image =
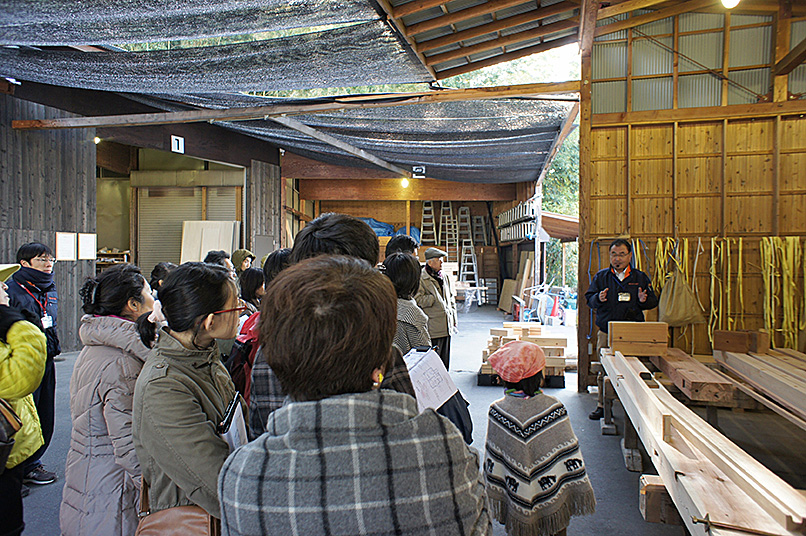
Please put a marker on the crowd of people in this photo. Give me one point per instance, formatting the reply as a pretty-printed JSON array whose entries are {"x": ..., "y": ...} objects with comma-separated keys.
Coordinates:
[{"x": 308, "y": 355}]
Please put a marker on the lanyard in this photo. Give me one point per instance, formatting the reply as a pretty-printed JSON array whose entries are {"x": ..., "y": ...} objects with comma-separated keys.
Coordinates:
[{"x": 44, "y": 307}]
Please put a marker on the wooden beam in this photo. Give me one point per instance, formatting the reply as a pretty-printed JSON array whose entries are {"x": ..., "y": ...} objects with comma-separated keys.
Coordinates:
[
  {"x": 458, "y": 16},
  {"x": 391, "y": 190},
  {"x": 335, "y": 142},
  {"x": 497, "y": 25},
  {"x": 413, "y": 7},
  {"x": 509, "y": 56},
  {"x": 694, "y": 379},
  {"x": 565, "y": 130},
  {"x": 793, "y": 59},
  {"x": 626, "y": 7},
  {"x": 387, "y": 7},
  {"x": 782, "y": 37},
  {"x": 294, "y": 166},
  {"x": 587, "y": 25},
  {"x": 115, "y": 157},
  {"x": 683, "y": 115},
  {"x": 503, "y": 41},
  {"x": 685, "y": 7},
  {"x": 301, "y": 215},
  {"x": 341, "y": 103}
]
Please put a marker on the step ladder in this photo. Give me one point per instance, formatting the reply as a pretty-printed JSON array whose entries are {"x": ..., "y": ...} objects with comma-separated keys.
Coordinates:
[
  {"x": 447, "y": 235},
  {"x": 464, "y": 229},
  {"x": 480, "y": 231},
  {"x": 468, "y": 270},
  {"x": 427, "y": 229}
]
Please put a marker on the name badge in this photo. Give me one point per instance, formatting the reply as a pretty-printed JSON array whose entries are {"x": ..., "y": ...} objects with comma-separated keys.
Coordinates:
[
  {"x": 623, "y": 296},
  {"x": 47, "y": 321}
]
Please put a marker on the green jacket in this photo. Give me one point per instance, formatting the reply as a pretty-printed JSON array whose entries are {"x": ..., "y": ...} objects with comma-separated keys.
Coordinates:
[
  {"x": 179, "y": 399},
  {"x": 22, "y": 363}
]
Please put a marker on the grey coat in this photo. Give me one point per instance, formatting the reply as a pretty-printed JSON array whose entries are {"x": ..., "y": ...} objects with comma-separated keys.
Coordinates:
[
  {"x": 439, "y": 303},
  {"x": 102, "y": 474}
]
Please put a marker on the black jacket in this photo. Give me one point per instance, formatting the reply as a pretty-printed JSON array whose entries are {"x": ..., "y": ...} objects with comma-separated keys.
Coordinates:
[
  {"x": 27, "y": 296},
  {"x": 614, "y": 308}
]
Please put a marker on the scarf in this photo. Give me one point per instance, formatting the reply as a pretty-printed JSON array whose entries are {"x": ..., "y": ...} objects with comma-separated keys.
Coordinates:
[
  {"x": 41, "y": 280},
  {"x": 535, "y": 474},
  {"x": 436, "y": 275}
]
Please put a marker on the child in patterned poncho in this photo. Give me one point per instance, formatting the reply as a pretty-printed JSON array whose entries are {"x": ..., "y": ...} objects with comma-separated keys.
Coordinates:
[{"x": 533, "y": 467}]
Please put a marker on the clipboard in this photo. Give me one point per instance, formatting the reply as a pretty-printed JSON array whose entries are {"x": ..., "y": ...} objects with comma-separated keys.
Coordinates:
[{"x": 232, "y": 427}]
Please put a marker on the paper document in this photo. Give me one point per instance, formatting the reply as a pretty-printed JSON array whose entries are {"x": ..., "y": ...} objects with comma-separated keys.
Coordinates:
[
  {"x": 432, "y": 383},
  {"x": 233, "y": 428}
]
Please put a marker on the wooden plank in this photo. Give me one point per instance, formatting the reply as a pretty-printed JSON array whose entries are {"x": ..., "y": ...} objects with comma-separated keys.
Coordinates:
[
  {"x": 685, "y": 7},
  {"x": 391, "y": 190},
  {"x": 413, "y": 7},
  {"x": 588, "y": 12},
  {"x": 626, "y": 7},
  {"x": 741, "y": 341},
  {"x": 503, "y": 41},
  {"x": 497, "y": 25},
  {"x": 260, "y": 112},
  {"x": 638, "y": 338},
  {"x": 788, "y": 391},
  {"x": 791, "y": 61},
  {"x": 505, "y": 298},
  {"x": 697, "y": 381},
  {"x": 547, "y": 341},
  {"x": 702, "y": 470},
  {"x": 457, "y": 16}
]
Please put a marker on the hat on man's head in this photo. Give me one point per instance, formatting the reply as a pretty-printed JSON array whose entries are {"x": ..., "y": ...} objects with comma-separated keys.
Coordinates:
[
  {"x": 434, "y": 253},
  {"x": 6, "y": 270},
  {"x": 518, "y": 360}
]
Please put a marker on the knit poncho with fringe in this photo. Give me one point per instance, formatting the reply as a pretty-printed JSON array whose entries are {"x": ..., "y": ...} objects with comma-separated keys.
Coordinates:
[{"x": 535, "y": 474}]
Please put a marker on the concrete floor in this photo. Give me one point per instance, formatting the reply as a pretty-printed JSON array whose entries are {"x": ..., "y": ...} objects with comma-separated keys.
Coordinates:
[{"x": 616, "y": 488}]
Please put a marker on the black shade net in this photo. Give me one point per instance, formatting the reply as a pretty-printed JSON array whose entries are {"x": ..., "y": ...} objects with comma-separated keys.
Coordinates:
[
  {"x": 363, "y": 54},
  {"x": 487, "y": 141},
  {"x": 105, "y": 22}
]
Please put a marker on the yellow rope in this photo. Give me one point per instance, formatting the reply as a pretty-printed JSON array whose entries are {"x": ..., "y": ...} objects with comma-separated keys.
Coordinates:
[
  {"x": 740, "y": 283},
  {"x": 767, "y": 269},
  {"x": 789, "y": 257},
  {"x": 728, "y": 278}
]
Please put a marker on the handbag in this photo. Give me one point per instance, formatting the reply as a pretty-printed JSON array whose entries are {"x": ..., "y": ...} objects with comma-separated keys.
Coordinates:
[
  {"x": 10, "y": 424},
  {"x": 177, "y": 521}
]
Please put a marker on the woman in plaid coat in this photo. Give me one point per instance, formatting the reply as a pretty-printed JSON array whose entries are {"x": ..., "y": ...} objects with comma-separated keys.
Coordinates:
[{"x": 344, "y": 457}]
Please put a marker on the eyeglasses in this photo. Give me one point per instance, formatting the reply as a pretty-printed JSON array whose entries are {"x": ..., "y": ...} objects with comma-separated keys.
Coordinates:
[
  {"x": 619, "y": 255},
  {"x": 239, "y": 309},
  {"x": 45, "y": 260}
]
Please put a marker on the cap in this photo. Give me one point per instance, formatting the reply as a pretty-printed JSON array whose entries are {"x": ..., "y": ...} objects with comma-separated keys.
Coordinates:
[
  {"x": 434, "y": 253},
  {"x": 6, "y": 270},
  {"x": 517, "y": 360}
]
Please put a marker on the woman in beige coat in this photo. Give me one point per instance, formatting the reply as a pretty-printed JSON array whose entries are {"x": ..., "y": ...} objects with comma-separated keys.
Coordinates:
[{"x": 102, "y": 474}]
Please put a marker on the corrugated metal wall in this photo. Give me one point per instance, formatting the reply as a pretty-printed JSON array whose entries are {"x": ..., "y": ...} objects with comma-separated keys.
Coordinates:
[
  {"x": 47, "y": 184},
  {"x": 797, "y": 78}
]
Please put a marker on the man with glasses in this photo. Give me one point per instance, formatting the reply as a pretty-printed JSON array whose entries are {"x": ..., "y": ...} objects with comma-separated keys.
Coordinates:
[
  {"x": 32, "y": 288},
  {"x": 618, "y": 293}
]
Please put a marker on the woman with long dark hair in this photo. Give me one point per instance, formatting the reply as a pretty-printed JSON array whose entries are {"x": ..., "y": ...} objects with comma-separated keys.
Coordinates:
[
  {"x": 102, "y": 474},
  {"x": 183, "y": 393}
]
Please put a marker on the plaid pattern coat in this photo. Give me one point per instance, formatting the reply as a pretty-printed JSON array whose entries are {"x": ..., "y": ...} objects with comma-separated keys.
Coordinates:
[{"x": 363, "y": 463}]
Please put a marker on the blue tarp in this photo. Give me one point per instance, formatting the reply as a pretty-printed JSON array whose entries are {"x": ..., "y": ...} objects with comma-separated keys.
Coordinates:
[
  {"x": 380, "y": 228},
  {"x": 415, "y": 233}
]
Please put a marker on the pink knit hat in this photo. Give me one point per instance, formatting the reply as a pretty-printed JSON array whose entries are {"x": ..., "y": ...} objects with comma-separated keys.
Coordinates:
[{"x": 517, "y": 360}]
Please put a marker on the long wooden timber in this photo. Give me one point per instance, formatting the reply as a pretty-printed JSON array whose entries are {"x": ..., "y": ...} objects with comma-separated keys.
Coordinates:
[
  {"x": 695, "y": 380},
  {"x": 778, "y": 381},
  {"x": 706, "y": 474}
]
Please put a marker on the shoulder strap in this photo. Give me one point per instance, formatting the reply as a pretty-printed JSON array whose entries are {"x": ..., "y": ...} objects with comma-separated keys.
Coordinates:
[{"x": 144, "y": 508}]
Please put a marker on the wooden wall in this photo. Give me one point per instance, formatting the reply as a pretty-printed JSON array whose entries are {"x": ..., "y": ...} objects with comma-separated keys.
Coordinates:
[
  {"x": 47, "y": 184},
  {"x": 263, "y": 202},
  {"x": 715, "y": 175}
]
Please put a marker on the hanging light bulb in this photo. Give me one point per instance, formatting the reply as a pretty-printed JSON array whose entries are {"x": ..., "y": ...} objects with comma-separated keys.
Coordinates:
[
  {"x": 404, "y": 183},
  {"x": 730, "y": 4},
  {"x": 97, "y": 140}
]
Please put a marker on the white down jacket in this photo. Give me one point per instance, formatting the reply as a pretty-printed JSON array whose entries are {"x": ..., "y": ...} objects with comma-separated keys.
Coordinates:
[{"x": 102, "y": 475}]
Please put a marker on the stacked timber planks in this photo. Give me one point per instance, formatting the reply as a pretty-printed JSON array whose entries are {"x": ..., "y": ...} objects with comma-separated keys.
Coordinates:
[
  {"x": 638, "y": 338},
  {"x": 553, "y": 347}
]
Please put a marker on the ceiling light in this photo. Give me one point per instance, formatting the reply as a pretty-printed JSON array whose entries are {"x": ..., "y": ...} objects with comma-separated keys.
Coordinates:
[
  {"x": 97, "y": 140},
  {"x": 404, "y": 183},
  {"x": 730, "y": 4}
]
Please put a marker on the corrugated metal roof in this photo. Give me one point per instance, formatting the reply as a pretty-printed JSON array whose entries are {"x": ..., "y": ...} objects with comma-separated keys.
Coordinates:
[
  {"x": 698, "y": 90},
  {"x": 609, "y": 97},
  {"x": 652, "y": 94},
  {"x": 692, "y": 22},
  {"x": 704, "y": 48},
  {"x": 650, "y": 58},
  {"x": 750, "y": 46},
  {"x": 757, "y": 80},
  {"x": 741, "y": 20},
  {"x": 614, "y": 35},
  {"x": 609, "y": 60}
]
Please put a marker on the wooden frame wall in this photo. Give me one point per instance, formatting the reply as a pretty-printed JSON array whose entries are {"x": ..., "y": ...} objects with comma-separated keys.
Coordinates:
[{"x": 720, "y": 173}]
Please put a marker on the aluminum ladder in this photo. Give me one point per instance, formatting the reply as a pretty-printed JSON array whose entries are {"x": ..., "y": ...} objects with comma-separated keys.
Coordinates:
[{"x": 427, "y": 230}]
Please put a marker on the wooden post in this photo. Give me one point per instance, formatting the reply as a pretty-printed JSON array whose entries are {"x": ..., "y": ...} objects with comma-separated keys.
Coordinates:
[
  {"x": 408, "y": 218},
  {"x": 776, "y": 176},
  {"x": 585, "y": 180},
  {"x": 723, "y": 187},
  {"x": 675, "y": 225},
  {"x": 725, "y": 59},
  {"x": 204, "y": 203},
  {"x": 783, "y": 26},
  {"x": 562, "y": 245}
]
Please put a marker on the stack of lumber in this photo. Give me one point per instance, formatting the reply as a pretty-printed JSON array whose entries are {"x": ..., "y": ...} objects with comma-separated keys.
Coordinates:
[
  {"x": 553, "y": 347},
  {"x": 706, "y": 475},
  {"x": 517, "y": 287},
  {"x": 778, "y": 375},
  {"x": 638, "y": 338}
]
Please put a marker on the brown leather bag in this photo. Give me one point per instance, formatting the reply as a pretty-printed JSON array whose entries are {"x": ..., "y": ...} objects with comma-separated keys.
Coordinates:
[{"x": 176, "y": 521}]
